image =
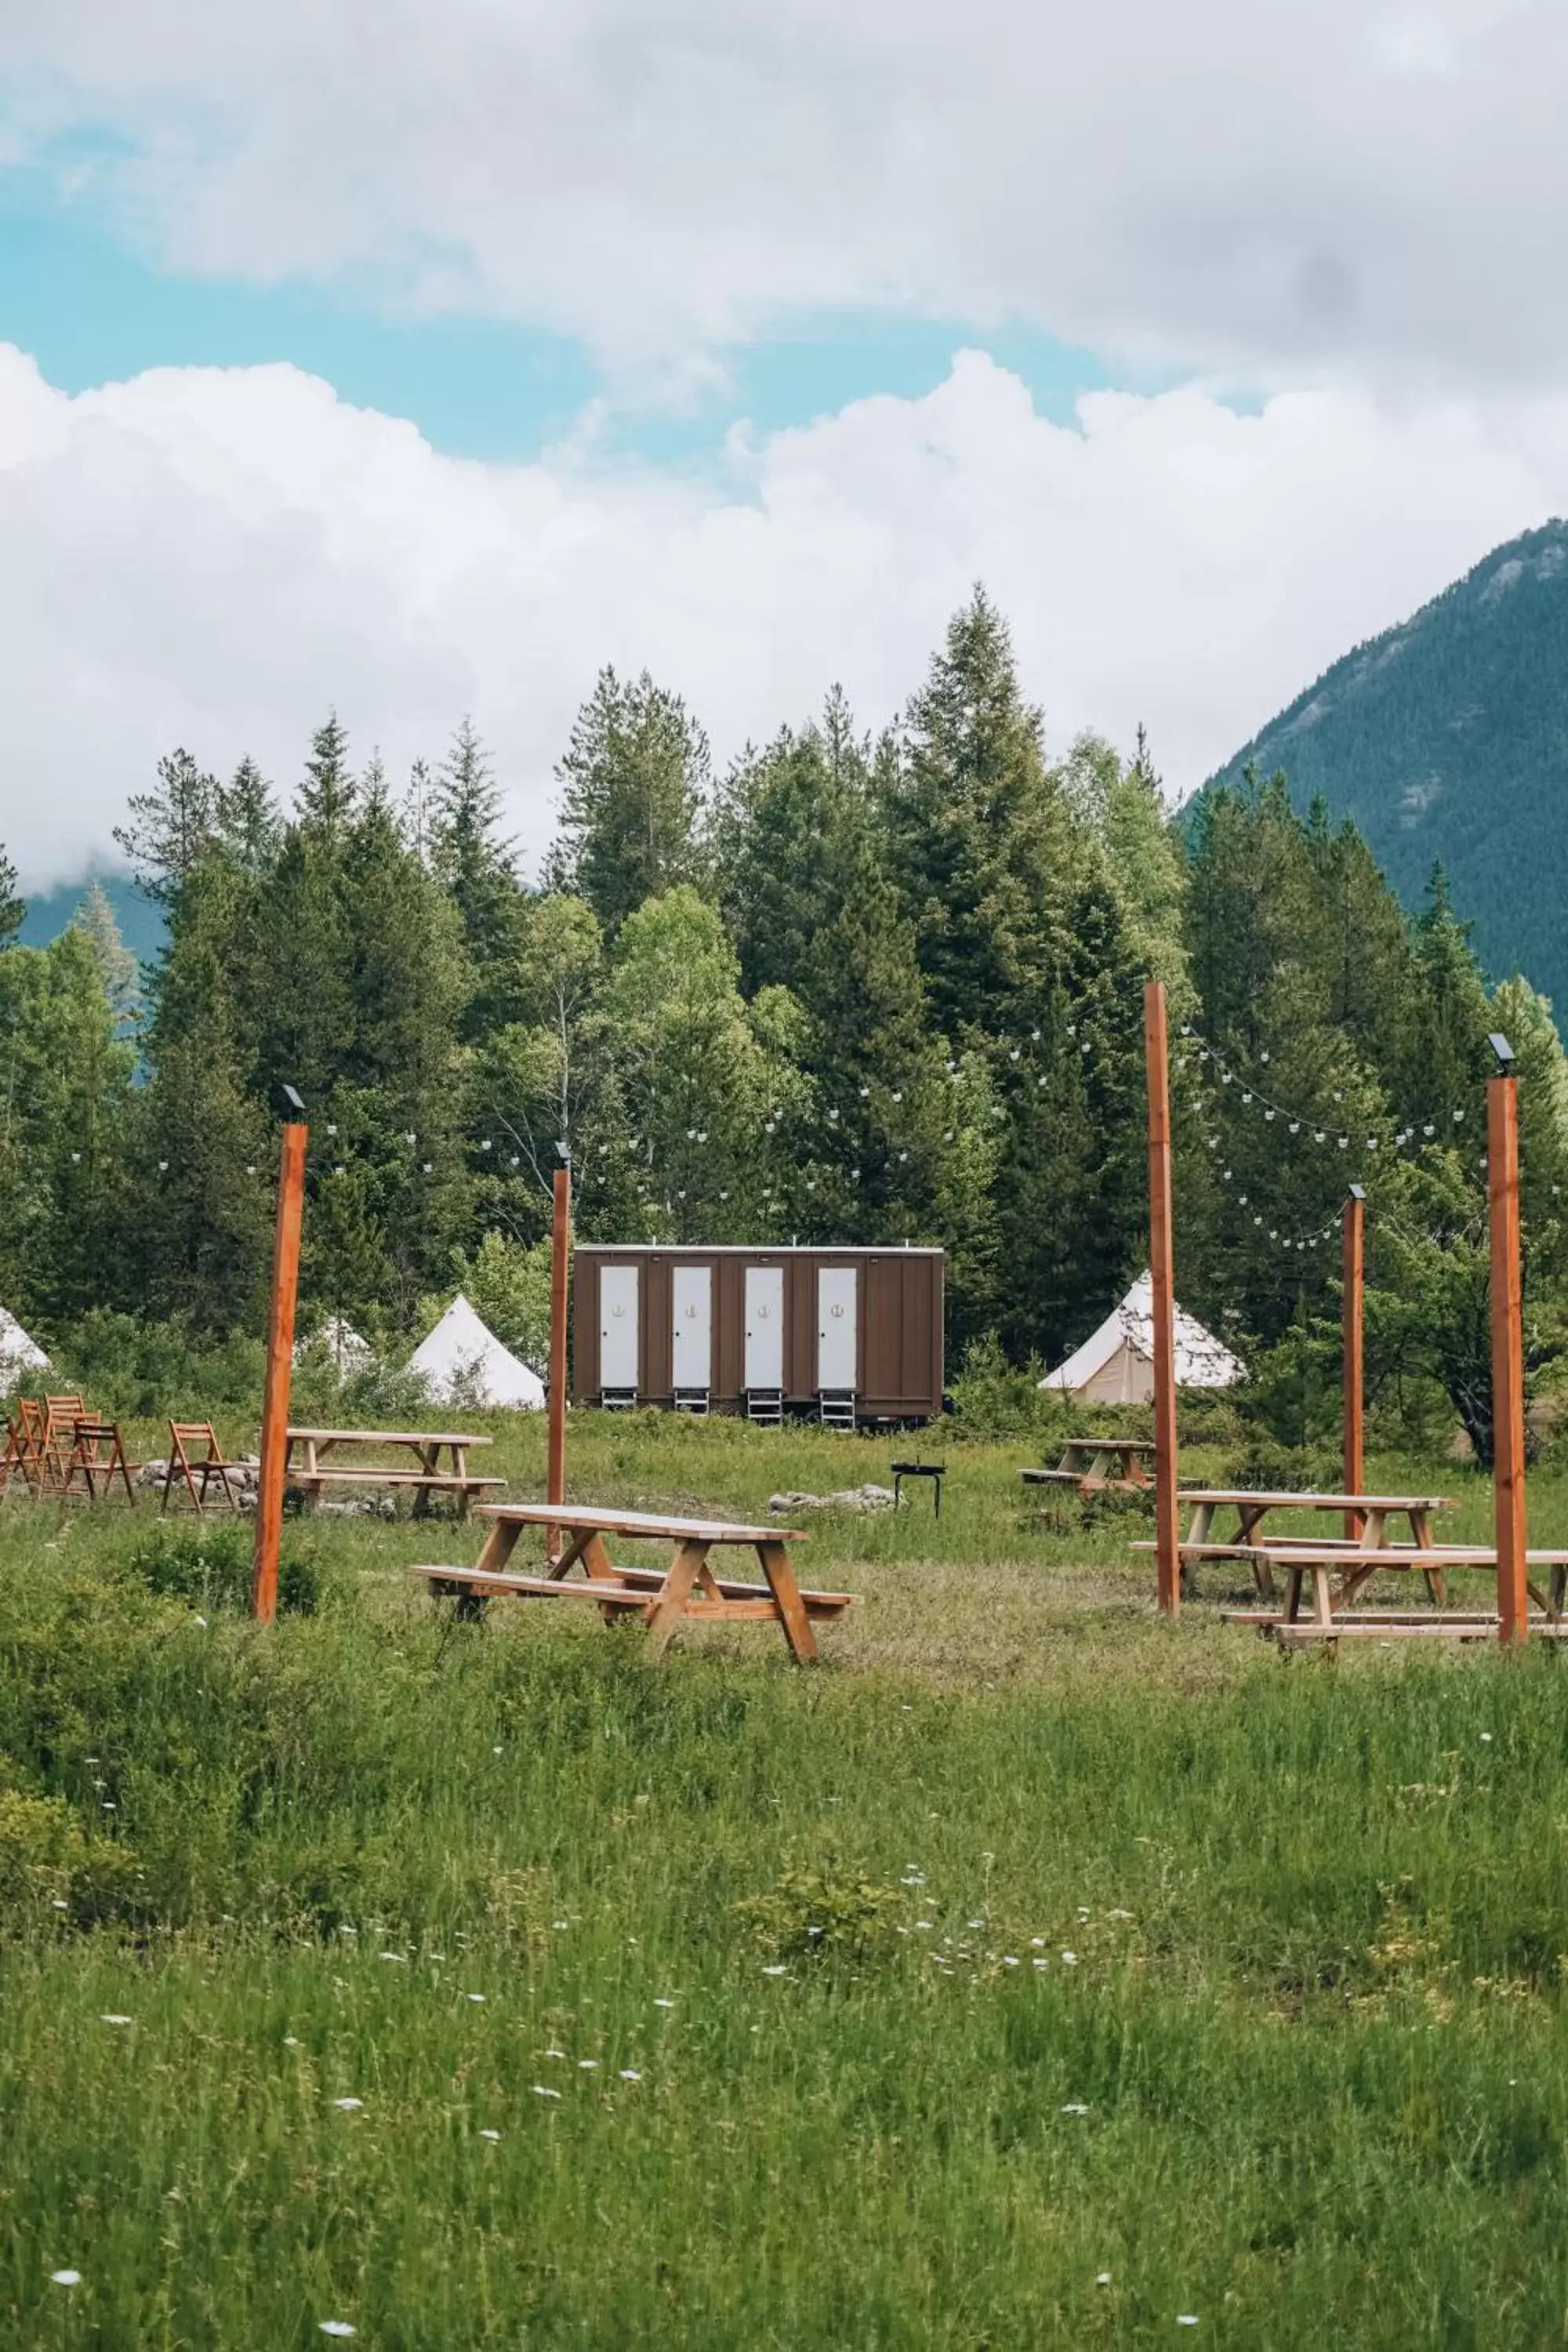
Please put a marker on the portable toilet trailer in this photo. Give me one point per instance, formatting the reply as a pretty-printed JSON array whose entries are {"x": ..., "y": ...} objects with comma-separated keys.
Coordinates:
[{"x": 849, "y": 1336}]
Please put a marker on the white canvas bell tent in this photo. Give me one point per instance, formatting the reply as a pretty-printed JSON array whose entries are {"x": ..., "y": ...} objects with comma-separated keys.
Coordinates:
[
  {"x": 18, "y": 1353},
  {"x": 1115, "y": 1364},
  {"x": 463, "y": 1362},
  {"x": 338, "y": 1340}
]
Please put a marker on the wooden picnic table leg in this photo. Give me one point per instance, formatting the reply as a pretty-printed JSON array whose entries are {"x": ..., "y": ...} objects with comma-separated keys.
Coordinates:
[
  {"x": 780, "y": 1572},
  {"x": 1559, "y": 1587},
  {"x": 1322, "y": 1605},
  {"x": 1197, "y": 1533},
  {"x": 429, "y": 1460},
  {"x": 499, "y": 1546},
  {"x": 1262, "y": 1574},
  {"x": 1293, "y": 1596},
  {"x": 460, "y": 1470},
  {"x": 666, "y": 1606},
  {"x": 1374, "y": 1534}
]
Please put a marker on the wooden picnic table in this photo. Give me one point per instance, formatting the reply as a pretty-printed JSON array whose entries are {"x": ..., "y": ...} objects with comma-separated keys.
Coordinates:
[
  {"x": 425, "y": 1478},
  {"x": 1097, "y": 1466},
  {"x": 688, "y": 1589},
  {"x": 1356, "y": 1565},
  {"x": 1253, "y": 1504}
]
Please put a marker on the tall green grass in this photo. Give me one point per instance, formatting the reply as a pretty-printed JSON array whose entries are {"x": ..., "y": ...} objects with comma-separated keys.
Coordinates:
[{"x": 1028, "y": 1944}]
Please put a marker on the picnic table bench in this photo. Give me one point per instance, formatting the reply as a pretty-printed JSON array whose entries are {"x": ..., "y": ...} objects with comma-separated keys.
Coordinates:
[
  {"x": 1253, "y": 1504},
  {"x": 426, "y": 1477},
  {"x": 1097, "y": 1466},
  {"x": 686, "y": 1591},
  {"x": 1356, "y": 1565}
]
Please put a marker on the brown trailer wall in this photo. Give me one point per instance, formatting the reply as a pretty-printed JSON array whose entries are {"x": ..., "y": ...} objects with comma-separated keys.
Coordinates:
[{"x": 899, "y": 1325}]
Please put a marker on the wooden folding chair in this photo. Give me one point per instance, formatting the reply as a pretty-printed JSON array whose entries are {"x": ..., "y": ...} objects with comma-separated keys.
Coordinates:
[
  {"x": 22, "y": 1440},
  {"x": 89, "y": 1462},
  {"x": 60, "y": 1415},
  {"x": 198, "y": 1474}
]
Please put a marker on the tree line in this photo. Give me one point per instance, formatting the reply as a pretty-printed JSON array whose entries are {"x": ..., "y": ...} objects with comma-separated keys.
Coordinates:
[{"x": 855, "y": 989}]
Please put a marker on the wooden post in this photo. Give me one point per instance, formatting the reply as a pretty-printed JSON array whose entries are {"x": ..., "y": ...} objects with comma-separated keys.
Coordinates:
[
  {"x": 1508, "y": 1357},
  {"x": 560, "y": 1268},
  {"x": 280, "y": 1367},
  {"x": 1167, "y": 1555},
  {"x": 1355, "y": 1222}
]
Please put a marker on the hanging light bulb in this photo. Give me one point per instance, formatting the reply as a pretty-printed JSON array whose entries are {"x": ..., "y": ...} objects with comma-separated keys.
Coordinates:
[{"x": 1295, "y": 1126}]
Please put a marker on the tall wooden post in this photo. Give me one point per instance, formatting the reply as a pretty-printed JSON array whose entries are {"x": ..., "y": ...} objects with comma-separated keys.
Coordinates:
[
  {"x": 560, "y": 1268},
  {"x": 1353, "y": 1361},
  {"x": 280, "y": 1367},
  {"x": 1156, "y": 1053},
  {"x": 1507, "y": 1357}
]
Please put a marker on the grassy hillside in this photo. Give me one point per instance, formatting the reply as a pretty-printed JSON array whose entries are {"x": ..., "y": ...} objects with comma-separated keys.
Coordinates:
[
  {"x": 1448, "y": 738},
  {"x": 1030, "y": 1974}
]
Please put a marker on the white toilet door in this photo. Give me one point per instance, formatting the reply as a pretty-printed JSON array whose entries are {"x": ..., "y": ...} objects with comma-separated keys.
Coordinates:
[
  {"x": 837, "y": 1320},
  {"x": 691, "y": 1299},
  {"x": 764, "y": 1327},
  {"x": 619, "y": 1292}
]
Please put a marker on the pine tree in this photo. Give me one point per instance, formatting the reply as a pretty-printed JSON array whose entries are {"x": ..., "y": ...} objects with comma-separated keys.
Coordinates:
[
  {"x": 249, "y": 825},
  {"x": 116, "y": 965},
  {"x": 204, "y": 1136},
  {"x": 635, "y": 776},
  {"x": 330, "y": 793},
  {"x": 13, "y": 907},
  {"x": 170, "y": 828},
  {"x": 475, "y": 863}
]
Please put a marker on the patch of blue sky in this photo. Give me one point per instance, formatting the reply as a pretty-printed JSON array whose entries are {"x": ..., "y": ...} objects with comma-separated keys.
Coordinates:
[{"x": 91, "y": 310}]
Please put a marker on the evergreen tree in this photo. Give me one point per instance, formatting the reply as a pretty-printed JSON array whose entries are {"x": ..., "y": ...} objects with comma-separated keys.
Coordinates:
[
  {"x": 65, "y": 1105},
  {"x": 172, "y": 827},
  {"x": 635, "y": 775},
  {"x": 475, "y": 863},
  {"x": 204, "y": 1138},
  {"x": 248, "y": 822},
  {"x": 116, "y": 965},
  {"x": 13, "y": 907},
  {"x": 330, "y": 793}
]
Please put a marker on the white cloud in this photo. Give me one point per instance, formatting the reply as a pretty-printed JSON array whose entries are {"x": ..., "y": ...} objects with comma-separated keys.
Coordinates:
[
  {"x": 213, "y": 558},
  {"x": 1218, "y": 184}
]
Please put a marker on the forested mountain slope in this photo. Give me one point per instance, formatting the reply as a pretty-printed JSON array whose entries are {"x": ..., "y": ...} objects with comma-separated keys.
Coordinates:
[{"x": 1447, "y": 739}]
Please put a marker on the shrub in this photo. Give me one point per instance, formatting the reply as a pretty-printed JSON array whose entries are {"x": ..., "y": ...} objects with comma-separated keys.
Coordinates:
[
  {"x": 211, "y": 1567},
  {"x": 817, "y": 1912}
]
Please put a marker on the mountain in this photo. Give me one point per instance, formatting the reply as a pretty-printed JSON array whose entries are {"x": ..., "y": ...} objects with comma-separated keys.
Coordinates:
[
  {"x": 141, "y": 922},
  {"x": 1447, "y": 739}
]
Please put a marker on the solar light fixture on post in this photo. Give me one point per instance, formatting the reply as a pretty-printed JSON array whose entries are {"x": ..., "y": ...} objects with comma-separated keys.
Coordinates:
[
  {"x": 1508, "y": 1347},
  {"x": 560, "y": 1270},
  {"x": 1163, "y": 1278},
  {"x": 1353, "y": 1368},
  {"x": 280, "y": 1359}
]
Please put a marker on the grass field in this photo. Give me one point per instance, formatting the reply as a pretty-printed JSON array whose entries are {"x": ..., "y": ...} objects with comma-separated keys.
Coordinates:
[{"x": 1030, "y": 1973}]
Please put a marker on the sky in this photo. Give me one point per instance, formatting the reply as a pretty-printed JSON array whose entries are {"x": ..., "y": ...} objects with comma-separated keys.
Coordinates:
[{"x": 417, "y": 361}]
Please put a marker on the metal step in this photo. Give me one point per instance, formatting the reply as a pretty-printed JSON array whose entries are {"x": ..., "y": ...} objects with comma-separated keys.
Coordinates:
[
  {"x": 694, "y": 1401},
  {"x": 836, "y": 1407},
  {"x": 766, "y": 1407},
  {"x": 618, "y": 1400}
]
